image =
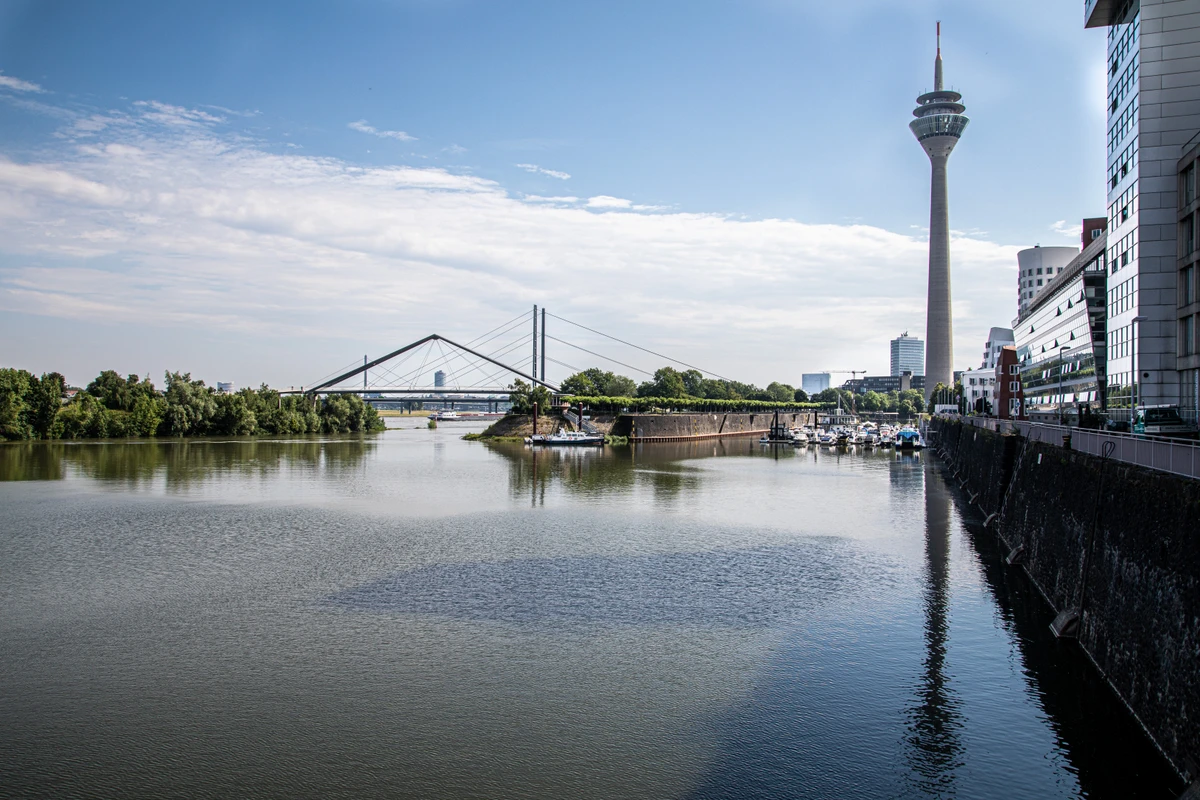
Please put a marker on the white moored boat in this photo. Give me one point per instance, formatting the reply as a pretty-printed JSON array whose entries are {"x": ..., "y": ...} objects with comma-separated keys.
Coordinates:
[{"x": 564, "y": 438}]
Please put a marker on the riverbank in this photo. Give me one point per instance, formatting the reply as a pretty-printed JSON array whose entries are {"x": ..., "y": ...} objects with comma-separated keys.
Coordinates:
[{"x": 1113, "y": 549}]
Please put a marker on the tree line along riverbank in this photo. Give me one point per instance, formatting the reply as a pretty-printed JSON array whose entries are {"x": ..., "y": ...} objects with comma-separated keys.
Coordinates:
[{"x": 112, "y": 406}]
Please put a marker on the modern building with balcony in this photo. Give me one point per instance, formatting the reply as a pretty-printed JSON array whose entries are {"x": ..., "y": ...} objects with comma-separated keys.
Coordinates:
[
  {"x": 1061, "y": 342},
  {"x": 1153, "y": 112}
]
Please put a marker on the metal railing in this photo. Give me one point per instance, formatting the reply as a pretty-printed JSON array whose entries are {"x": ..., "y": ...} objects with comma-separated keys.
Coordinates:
[
  {"x": 581, "y": 424},
  {"x": 1152, "y": 452}
]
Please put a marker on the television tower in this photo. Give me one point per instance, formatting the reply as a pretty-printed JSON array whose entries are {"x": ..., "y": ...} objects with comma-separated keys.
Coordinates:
[{"x": 938, "y": 126}]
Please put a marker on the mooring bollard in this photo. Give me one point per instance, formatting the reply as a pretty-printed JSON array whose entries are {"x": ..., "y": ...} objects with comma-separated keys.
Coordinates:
[{"x": 1066, "y": 441}]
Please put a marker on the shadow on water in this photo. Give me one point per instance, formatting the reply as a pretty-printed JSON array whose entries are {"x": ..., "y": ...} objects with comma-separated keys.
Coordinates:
[
  {"x": 179, "y": 462},
  {"x": 1111, "y": 754},
  {"x": 745, "y": 588}
]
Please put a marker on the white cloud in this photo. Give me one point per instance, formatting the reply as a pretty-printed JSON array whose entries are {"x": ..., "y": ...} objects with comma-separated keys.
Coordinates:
[
  {"x": 186, "y": 227},
  {"x": 1074, "y": 231},
  {"x": 535, "y": 198},
  {"x": 362, "y": 127},
  {"x": 18, "y": 85},
  {"x": 553, "y": 173},
  {"x": 604, "y": 201}
]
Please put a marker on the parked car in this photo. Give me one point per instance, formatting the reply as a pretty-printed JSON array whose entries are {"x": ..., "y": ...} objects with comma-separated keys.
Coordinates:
[{"x": 1162, "y": 421}]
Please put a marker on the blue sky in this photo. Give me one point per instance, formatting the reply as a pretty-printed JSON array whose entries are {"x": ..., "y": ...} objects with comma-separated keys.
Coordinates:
[{"x": 249, "y": 192}]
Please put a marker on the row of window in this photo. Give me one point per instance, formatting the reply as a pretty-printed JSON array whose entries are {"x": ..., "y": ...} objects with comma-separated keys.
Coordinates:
[
  {"x": 1123, "y": 125},
  {"x": 1123, "y": 164},
  {"x": 1122, "y": 297},
  {"x": 1187, "y": 236},
  {"x": 1123, "y": 252},
  {"x": 1187, "y": 186},
  {"x": 1121, "y": 88},
  {"x": 1123, "y": 207},
  {"x": 1187, "y": 286},
  {"x": 1128, "y": 39},
  {"x": 1120, "y": 342},
  {"x": 1187, "y": 335}
]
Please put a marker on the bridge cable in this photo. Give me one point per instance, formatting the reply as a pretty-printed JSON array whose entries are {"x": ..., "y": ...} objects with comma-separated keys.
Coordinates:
[
  {"x": 598, "y": 355},
  {"x": 631, "y": 344}
]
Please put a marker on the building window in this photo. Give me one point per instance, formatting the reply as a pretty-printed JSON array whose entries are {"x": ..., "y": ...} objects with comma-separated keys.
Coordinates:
[
  {"x": 1187, "y": 230},
  {"x": 1187, "y": 286},
  {"x": 1187, "y": 336},
  {"x": 1189, "y": 185}
]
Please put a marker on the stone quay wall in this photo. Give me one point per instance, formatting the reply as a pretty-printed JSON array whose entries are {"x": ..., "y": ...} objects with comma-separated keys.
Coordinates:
[
  {"x": 1119, "y": 543},
  {"x": 675, "y": 427}
]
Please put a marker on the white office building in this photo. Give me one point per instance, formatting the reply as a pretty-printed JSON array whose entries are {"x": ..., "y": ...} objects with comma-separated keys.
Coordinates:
[
  {"x": 908, "y": 355},
  {"x": 1153, "y": 113},
  {"x": 1036, "y": 267}
]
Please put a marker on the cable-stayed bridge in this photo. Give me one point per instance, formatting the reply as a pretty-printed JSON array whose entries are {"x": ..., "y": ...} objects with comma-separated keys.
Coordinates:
[{"x": 479, "y": 372}]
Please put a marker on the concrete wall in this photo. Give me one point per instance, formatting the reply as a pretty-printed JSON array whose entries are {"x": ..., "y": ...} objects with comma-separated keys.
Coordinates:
[
  {"x": 693, "y": 426},
  {"x": 1140, "y": 594}
]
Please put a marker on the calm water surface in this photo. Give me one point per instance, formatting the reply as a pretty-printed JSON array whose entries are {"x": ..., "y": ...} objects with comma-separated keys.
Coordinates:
[{"x": 417, "y": 616}]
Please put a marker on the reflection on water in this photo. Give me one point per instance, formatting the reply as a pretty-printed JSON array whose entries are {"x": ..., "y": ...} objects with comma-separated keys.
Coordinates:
[
  {"x": 411, "y": 615},
  {"x": 935, "y": 750},
  {"x": 180, "y": 462}
]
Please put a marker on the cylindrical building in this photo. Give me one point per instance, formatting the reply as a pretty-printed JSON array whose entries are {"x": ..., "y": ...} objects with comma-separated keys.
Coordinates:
[
  {"x": 938, "y": 126},
  {"x": 1037, "y": 266}
]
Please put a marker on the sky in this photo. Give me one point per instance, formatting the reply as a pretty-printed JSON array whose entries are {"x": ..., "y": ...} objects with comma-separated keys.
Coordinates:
[{"x": 266, "y": 192}]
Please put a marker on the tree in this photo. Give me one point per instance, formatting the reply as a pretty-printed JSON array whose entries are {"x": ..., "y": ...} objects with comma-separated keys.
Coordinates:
[
  {"x": 14, "y": 398},
  {"x": 190, "y": 405},
  {"x": 523, "y": 396},
  {"x": 781, "y": 392},
  {"x": 800, "y": 396},
  {"x": 45, "y": 400},
  {"x": 872, "y": 401},
  {"x": 693, "y": 382},
  {"x": 915, "y": 397},
  {"x": 668, "y": 382},
  {"x": 618, "y": 386},
  {"x": 232, "y": 416},
  {"x": 829, "y": 396}
]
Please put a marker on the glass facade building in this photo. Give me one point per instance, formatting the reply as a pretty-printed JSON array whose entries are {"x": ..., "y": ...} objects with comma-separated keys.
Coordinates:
[
  {"x": 1061, "y": 342},
  {"x": 1153, "y": 72},
  {"x": 908, "y": 355}
]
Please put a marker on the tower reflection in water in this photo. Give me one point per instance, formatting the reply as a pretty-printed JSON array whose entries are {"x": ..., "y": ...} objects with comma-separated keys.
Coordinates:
[{"x": 933, "y": 745}]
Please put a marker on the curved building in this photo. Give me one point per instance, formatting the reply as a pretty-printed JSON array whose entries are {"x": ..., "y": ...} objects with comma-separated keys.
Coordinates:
[
  {"x": 1037, "y": 266},
  {"x": 938, "y": 126}
]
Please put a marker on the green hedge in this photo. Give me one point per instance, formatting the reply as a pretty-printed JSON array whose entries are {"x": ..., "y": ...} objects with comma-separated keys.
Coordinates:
[{"x": 643, "y": 404}]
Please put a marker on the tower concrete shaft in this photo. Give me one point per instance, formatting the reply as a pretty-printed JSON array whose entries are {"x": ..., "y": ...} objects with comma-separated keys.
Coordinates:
[
  {"x": 938, "y": 126},
  {"x": 939, "y": 329}
]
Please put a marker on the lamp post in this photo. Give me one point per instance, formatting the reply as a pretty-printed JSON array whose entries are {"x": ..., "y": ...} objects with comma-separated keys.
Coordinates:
[
  {"x": 1136, "y": 386},
  {"x": 1061, "y": 367}
]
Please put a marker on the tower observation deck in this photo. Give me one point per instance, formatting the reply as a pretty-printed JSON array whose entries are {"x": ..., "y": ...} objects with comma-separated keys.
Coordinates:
[{"x": 938, "y": 126}]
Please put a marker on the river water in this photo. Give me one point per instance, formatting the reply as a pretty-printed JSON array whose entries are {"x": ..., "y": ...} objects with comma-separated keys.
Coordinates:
[{"x": 413, "y": 615}]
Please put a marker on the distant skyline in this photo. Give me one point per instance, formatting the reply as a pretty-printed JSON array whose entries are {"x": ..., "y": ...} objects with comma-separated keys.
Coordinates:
[{"x": 266, "y": 193}]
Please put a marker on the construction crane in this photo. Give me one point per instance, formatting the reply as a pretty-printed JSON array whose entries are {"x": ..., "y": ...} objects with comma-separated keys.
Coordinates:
[{"x": 854, "y": 373}]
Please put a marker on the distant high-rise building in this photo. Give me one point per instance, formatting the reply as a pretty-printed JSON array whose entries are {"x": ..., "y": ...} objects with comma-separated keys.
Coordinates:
[
  {"x": 439, "y": 378},
  {"x": 814, "y": 382},
  {"x": 938, "y": 126},
  {"x": 908, "y": 355}
]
